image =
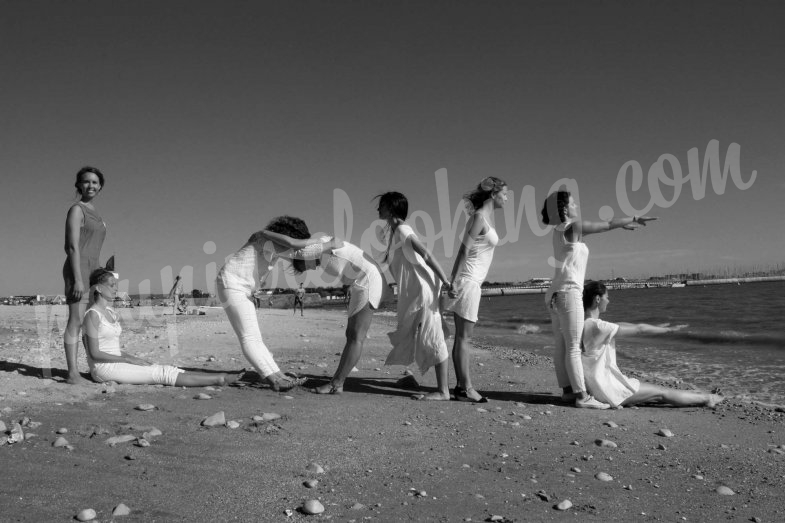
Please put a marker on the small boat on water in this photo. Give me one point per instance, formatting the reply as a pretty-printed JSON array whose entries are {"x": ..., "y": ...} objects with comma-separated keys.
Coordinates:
[{"x": 678, "y": 284}]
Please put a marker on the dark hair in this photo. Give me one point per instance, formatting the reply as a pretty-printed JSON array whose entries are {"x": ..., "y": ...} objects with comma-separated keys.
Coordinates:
[
  {"x": 396, "y": 203},
  {"x": 484, "y": 190},
  {"x": 555, "y": 204},
  {"x": 294, "y": 228},
  {"x": 87, "y": 169},
  {"x": 592, "y": 289},
  {"x": 98, "y": 276}
]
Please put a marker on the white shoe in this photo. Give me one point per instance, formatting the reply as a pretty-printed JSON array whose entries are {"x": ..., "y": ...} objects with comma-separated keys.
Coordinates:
[{"x": 591, "y": 403}]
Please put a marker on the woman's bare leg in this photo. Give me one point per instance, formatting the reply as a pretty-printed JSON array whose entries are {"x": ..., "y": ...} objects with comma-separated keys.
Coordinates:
[
  {"x": 650, "y": 393},
  {"x": 356, "y": 331},
  {"x": 71, "y": 342},
  {"x": 206, "y": 379}
]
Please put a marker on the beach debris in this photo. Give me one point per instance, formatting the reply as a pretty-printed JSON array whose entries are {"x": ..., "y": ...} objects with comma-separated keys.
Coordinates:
[
  {"x": 603, "y": 476},
  {"x": 497, "y": 518},
  {"x": 232, "y": 424},
  {"x": 114, "y": 440},
  {"x": 268, "y": 416},
  {"x": 141, "y": 442},
  {"x": 481, "y": 410},
  {"x": 219, "y": 418},
  {"x": 358, "y": 506},
  {"x": 724, "y": 491},
  {"x": 661, "y": 447},
  {"x": 288, "y": 513},
  {"x": 60, "y": 442},
  {"x": 665, "y": 433},
  {"x": 121, "y": 510},
  {"x": 576, "y": 470},
  {"x": 542, "y": 495},
  {"x": 3, "y": 427},
  {"x": 311, "y": 483},
  {"x": 145, "y": 407},
  {"x": 605, "y": 443},
  {"x": 62, "y": 430},
  {"x": 16, "y": 435},
  {"x": 314, "y": 468},
  {"x": 87, "y": 514},
  {"x": 563, "y": 505},
  {"x": 611, "y": 424},
  {"x": 153, "y": 432},
  {"x": 28, "y": 423},
  {"x": 203, "y": 396},
  {"x": 313, "y": 506}
]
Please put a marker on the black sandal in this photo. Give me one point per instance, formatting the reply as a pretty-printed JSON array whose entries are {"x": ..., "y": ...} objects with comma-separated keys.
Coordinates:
[{"x": 461, "y": 394}]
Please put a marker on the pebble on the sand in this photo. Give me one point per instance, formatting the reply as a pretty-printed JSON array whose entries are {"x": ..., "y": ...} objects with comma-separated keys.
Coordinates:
[
  {"x": 605, "y": 443},
  {"x": 564, "y": 505},
  {"x": 141, "y": 442},
  {"x": 314, "y": 468},
  {"x": 87, "y": 514},
  {"x": 611, "y": 424},
  {"x": 313, "y": 506},
  {"x": 114, "y": 440},
  {"x": 203, "y": 396},
  {"x": 665, "y": 433},
  {"x": 219, "y": 418},
  {"x": 145, "y": 407},
  {"x": 153, "y": 432},
  {"x": 311, "y": 483},
  {"x": 358, "y": 506},
  {"x": 724, "y": 491},
  {"x": 60, "y": 442},
  {"x": 603, "y": 476},
  {"x": 62, "y": 431},
  {"x": 269, "y": 416},
  {"x": 232, "y": 424},
  {"x": 121, "y": 510}
]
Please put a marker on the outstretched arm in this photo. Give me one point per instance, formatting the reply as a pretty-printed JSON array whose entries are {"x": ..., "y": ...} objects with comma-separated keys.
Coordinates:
[
  {"x": 296, "y": 246},
  {"x": 631, "y": 329},
  {"x": 628, "y": 222}
]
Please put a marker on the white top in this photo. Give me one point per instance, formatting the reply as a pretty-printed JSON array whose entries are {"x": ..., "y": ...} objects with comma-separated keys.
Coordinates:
[
  {"x": 603, "y": 378},
  {"x": 243, "y": 270},
  {"x": 348, "y": 263},
  {"x": 109, "y": 331},
  {"x": 571, "y": 259},
  {"x": 480, "y": 255}
]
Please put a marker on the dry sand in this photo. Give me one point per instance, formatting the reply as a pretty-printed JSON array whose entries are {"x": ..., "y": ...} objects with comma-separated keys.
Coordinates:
[{"x": 385, "y": 457}]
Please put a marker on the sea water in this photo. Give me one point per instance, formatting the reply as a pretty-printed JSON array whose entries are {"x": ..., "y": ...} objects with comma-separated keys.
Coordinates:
[{"x": 734, "y": 337}]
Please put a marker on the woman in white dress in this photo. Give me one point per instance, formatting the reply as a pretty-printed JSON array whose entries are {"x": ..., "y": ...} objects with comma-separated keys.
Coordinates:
[
  {"x": 564, "y": 296},
  {"x": 354, "y": 268},
  {"x": 468, "y": 273},
  {"x": 604, "y": 379},
  {"x": 419, "y": 336}
]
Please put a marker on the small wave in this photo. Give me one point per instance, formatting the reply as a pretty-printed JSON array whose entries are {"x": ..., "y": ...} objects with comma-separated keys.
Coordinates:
[
  {"x": 528, "y": 328},
  {"x": 730, "y": 337}
]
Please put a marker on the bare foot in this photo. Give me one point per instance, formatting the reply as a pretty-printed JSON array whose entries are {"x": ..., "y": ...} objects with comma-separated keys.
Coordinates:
[
  {"x": 432, "y": 396},
  {"x": 328, "y": 388},
  {"x": 231, "y": 377},
  {"x": 77, "y": 380},
  {"x": 714, "y": 400}
]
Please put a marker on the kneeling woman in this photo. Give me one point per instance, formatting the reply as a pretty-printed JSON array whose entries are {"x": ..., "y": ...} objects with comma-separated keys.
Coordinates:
[
  {"x": 107, "y": 362},
  {"x": 349, "y": 263},
  {"x": 604, "y": 379}
]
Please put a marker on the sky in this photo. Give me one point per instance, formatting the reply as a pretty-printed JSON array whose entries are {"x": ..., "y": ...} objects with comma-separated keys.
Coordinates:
[{"x": 209, "y": 119}]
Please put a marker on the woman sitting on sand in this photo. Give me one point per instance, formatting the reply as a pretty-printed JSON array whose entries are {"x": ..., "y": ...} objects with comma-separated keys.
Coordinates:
[
  {"x": 349, "y": 263},
  {"x": 242, "y": 274},
  {"x": 419, "y": 336},
  {"x": 108, "y": 363},
  {"x": 604, "y": 379}
]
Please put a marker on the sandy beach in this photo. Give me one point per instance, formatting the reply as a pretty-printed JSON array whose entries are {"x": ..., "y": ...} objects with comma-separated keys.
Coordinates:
[{"x": 381, "y": 456}]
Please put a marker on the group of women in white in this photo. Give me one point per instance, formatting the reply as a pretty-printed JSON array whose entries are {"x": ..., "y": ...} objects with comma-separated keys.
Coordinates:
[{"x": 586, "y": 371}]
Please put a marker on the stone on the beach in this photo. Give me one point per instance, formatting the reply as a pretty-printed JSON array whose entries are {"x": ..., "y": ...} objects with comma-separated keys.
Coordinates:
[
  {"x": 564, "y": 505},
  {"x": 661, "y": 447},
  {"x": 141, "y": 442},
  {"x": 665, "y": 433},
  {"x": 496, "y": 517},
  {"x": 203, "y": 396},
  {"x": 17, "y": 434},
  {"x": 87, "y": 514},
  {"x": 605, "y": 443},
  {"x": 219, "y": 418},
  {"x": 480, "y": 409},
  {"x": 60, "y": 442},
  {"x": 121, "y": 510},
  {"x": 358, "y": 506},
  {"x": 232, "y": 424},
  {"x": 311, "y": 483},
  {"x": 313, "y": 506},
  {"x": 114, "y": 440},
  {"x": 62, "y": 431},
  {"x": 603, "y": 476},
  {"x": 611, "y": 424},
  {"x": 724, "y": 491},
  {"x": 3, "y": 427},
  {"x": 422, "y": 493},
  {"x": 153, "y": 432},
  {"x": 145, "y": 407},
  {"x": 270, "y": 416},
  {"x": 314, "y": 468},
  {"x": 576, "y": 470}
]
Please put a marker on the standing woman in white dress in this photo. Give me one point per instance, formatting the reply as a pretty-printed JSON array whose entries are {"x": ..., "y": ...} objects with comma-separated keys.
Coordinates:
[
  {"x": 354, "y": 268},
  {"x": 468, "y": 273},
  {"x": 419, "y": 336},
  {"x": 564, "y": 298}
]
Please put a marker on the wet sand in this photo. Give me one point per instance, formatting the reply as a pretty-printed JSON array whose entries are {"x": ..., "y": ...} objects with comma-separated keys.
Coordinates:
[{"x": 385, "y": 457}]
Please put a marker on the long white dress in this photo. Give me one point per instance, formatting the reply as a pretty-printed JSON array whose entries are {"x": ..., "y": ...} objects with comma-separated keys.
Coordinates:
[
  {"x": 419, "y": 337},
  {"x": 604, "y": 379}
]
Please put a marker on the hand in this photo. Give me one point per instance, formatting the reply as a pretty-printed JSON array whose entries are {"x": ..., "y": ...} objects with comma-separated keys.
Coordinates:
[
  {"x": 78, "y": 291},
  {"x": 451, "y": 292},
  {"x": 643, "y": 219}
]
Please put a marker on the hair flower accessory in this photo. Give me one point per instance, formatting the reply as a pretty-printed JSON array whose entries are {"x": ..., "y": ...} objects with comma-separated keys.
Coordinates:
[{"x": 487, "y": 184}]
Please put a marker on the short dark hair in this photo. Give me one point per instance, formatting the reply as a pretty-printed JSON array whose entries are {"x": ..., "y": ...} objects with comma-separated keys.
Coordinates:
[
  {"x": 87, "y": 169},
  {"x": 591, "y": 289},
  {"x": 555, "y": 205},
  {"x": 100, "y": 275},
  {"x": 396, "y": 203},
  {"x": 294, "y": 228}
]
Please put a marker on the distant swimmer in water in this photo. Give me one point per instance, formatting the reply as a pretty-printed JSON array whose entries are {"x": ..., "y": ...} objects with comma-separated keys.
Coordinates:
[{"x": 604, "y": 379}]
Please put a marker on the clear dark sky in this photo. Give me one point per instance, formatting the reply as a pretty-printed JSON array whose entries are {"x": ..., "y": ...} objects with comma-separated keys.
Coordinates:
[{"x": 211, "y": 118}]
